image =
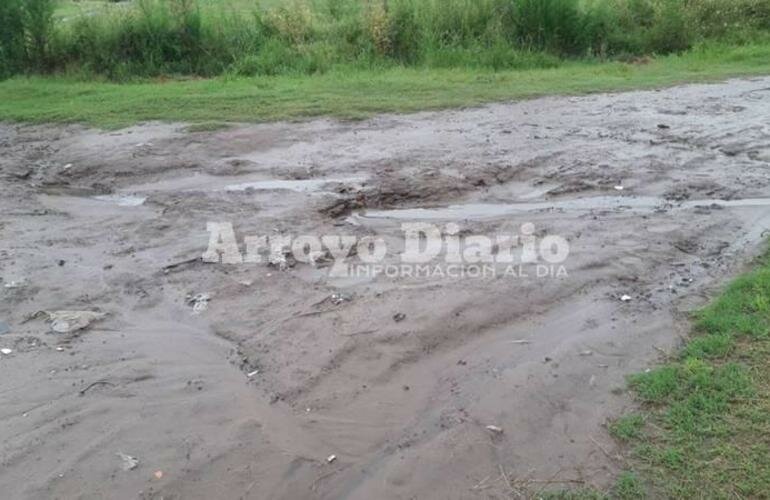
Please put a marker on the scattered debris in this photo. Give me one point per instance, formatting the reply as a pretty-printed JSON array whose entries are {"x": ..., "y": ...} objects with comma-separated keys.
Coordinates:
[
  {"x": 494, "y": 429},
  {"x": 663, "y": 126},
  {"x": 14, "y": 284},
  {"x": 158, "y": 474},
  {"x": 251, "y": 374},
  {"x": 6, "y": 351},
  {"x": 129, "y": 462},
  {"x": 619, "y": 188},
  {"x": 176, "y": 265},
  {"x": 399, "y": 317},
  {"x": 363, "y": 332},
  {"x": 587, "y": 353},
  {"x": 72, "y": 321},
  {"x": 519, "y": 342},
  {"x": 331, "y": 458},
  {"x": 60, "y": 349},
  {"x": 625, "y": 298},
  {"x": 22, "y": 173},
  {"x": 94, "y": 384},
  {"x": 199, "y": 302},
  {"x": 339, "y": 298}
]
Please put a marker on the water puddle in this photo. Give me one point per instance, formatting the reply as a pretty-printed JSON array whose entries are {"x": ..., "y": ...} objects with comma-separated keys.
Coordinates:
[
  {"x": 122, "y": 200},
  {"x": 598, "y": 203},
  {"x": 300, "y": 186},
  {"x": 211, "y": 183}
]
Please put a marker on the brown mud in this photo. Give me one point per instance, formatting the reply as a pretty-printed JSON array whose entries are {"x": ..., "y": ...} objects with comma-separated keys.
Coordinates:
[{"x": 116, "y": 222}]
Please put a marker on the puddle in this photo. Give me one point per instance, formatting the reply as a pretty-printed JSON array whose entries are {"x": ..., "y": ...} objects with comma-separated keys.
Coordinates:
[
  {"x": 122, "y": 200},
  {"x": 613, "y": 203},
  {"x": 300, "y": 186},
  {"x": 211, "y": 183}
]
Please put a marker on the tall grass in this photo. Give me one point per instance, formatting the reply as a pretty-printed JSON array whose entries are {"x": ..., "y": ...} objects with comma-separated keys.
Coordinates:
[
  {"x": 25, "y": 30},
  {"x": 157, "y": 37}
]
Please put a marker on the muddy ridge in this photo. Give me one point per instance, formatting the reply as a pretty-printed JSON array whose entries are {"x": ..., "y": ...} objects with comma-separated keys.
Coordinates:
[{"x": 240, "y": 381}]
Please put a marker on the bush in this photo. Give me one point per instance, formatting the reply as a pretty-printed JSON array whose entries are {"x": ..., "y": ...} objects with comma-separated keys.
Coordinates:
[
  {"x": 38, "y": 24},
  {"x": 157, "y": 37},
  {"x": 12, "y": 53},
  {"x": 549, "y": 24}
]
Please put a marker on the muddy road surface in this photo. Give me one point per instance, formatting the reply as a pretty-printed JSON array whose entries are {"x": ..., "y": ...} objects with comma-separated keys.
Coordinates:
[{"x": 242, "y": 380}]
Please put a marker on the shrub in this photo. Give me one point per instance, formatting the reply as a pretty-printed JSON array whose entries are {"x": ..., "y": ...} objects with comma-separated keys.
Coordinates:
[
  {"x": 12, "y": 53},
  {"x": 155, "y": 37},
  {"x": 38, "y": 24}
]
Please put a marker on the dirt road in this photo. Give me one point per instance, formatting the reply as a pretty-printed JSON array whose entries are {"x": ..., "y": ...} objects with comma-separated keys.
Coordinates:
[{"x": 661, "y": 195}]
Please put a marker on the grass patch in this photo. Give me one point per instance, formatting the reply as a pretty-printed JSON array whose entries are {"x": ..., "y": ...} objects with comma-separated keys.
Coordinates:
[
  {"x": 350, "y": 92},
  {"x": 705, "y": 427},
  {"x": 207, "y": 127},
  {"x": 626, "y": 487},
  {"x": 627, "y": 427}
]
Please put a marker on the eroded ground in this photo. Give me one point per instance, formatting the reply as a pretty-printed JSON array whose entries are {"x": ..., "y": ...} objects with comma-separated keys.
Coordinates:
[{"x": 116, "y": 222}]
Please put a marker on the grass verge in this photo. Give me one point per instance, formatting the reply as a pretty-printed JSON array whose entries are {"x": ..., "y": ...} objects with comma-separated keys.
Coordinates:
[
  {"x": 704, "y": 427},
  {"x": 352, "y": 93}
]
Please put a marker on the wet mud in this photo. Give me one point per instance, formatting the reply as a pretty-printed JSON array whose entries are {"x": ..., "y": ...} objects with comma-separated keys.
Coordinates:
[{"x": 240, "y": 381}]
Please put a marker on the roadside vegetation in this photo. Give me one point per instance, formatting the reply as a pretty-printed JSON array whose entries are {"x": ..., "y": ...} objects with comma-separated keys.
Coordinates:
[
  {"x": 150, "y": 38},
  {"x": 703, "y": 430},
  {"x": 350, "y": 94},
  {"x": 113, "y": 63}
]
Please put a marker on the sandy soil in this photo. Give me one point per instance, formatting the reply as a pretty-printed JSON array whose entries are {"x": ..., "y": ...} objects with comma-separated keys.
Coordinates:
[{"x": 116, "y": 222}]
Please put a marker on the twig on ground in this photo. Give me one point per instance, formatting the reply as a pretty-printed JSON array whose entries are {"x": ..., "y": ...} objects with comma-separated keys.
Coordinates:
[{"x": 98, "y": 382}]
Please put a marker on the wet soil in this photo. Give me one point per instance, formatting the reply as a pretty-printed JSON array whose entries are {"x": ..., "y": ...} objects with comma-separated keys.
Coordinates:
[{"x": 397, "y": 377}]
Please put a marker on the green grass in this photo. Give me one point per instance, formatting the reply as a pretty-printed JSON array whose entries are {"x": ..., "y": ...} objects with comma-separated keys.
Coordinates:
[
  {"x": 66, "y": 10},
  {"x": 351, "y": 93},
  {"x": 626, "y": 487},
  {"x": 125, "y": 41},
  {"x": 704, "y": 429}
]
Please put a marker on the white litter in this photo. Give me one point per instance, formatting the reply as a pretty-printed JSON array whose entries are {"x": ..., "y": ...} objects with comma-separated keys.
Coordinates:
[
  {"x": 72, "y": 321},
  {"x": 6, "y": 351},
  {"x": 331, "y": 458},
  {"x": 200, "y": 302},
  {"x": 495, "y": 429},
  {"x": 619, "y": 188},
  {"x": 129, "y": 462},
  {"x": 625, "y": 298},
  {"x": 251, "y": 374}
]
